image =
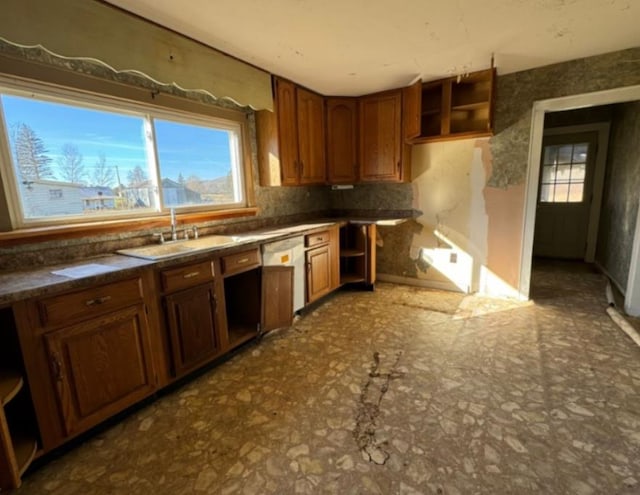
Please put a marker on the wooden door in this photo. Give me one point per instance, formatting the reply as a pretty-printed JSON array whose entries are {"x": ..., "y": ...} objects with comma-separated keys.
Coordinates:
[
  {"x": 285, "y": 103},
  {"x": 191, "y": 315},
  {"x": 381, "y": 137},
  {"x": 277, "y": 297},
  {"x": 311, "y": 140},
  {"x": 100, "y": 367},
  {"x": 318, "y": 273},
  {"x": 564, "y": 195},
  {"x": 342, "y": 140}
]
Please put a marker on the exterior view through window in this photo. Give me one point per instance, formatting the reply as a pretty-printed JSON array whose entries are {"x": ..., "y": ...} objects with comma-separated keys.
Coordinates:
[
  {"x": 563, "y": 173},
  {"x": 78, "y": 160}
]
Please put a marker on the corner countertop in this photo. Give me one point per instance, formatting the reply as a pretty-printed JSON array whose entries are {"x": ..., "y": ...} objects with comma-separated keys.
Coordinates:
[{"x": 44, "y": 280}]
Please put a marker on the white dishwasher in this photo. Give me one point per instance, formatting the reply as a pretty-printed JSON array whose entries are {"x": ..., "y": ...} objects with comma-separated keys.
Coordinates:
[{"x": 288, "y": 252}]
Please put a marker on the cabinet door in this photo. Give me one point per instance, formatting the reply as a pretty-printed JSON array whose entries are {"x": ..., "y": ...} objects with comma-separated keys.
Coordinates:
[
  {"x": 311, "y": 141},
  {"x": 381, "y": 137},
  {"x": 191, "y": 316},
  {"x": 287, "y": 131},
  {"x": 100, "y": 367},
  {"x": 277, "y": 297},
  {"x": 318, "y": 273},
  {"x": 342, "y": 140},
  {"x": 412, "y": 110}
]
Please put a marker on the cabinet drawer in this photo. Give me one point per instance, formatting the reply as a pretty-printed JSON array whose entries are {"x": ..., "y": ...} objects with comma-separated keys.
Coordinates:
[
  {"x": 316, "y": 239},
  {"x": 89, "y": 302},
  {"x": 186, "y": 276},
  {"x": 239, "y": 262}
]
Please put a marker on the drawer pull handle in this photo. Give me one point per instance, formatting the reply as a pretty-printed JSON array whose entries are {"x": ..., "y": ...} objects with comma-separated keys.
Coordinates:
[
  {"x": 319, "y": 238},
  {"x": 56, "y": 366},
  {"x": 191, "y": 274},
  {"x": 243, "y": 260},
  {"x": 98, "y": 300}
]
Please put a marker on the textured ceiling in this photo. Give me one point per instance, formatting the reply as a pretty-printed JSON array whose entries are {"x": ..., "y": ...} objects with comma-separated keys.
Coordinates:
[{"x": 353, "y": 47}]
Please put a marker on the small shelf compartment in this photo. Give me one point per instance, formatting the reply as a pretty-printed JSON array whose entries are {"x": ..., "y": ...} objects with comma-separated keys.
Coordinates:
[
  {"x": 11, "y": 382},
  {"x": 457, "y": 107},
  {"x": 242, "y": 294},
  {"x": 19, "y": 433},
  {"x": 357, "y": 255}
]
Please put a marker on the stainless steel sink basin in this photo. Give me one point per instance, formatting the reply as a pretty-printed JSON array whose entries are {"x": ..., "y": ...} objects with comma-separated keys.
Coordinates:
[{"x": 171, "y": 249}]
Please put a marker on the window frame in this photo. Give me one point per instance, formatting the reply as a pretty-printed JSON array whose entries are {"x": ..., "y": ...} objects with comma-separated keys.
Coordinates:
[{"x": 139, "y": 102}]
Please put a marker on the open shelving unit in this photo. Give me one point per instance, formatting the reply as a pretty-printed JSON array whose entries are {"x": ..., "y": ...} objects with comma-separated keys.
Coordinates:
[
  {"x": 243, "y": 306},
  {"x": 19, "y": 436},
  {"x": 356, "y": 257},
  {"x": 457, "y": 107}
]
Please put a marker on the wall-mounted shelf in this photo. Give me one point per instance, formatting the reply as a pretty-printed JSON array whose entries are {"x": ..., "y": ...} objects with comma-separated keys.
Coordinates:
[{"x": 455, "y": 107}]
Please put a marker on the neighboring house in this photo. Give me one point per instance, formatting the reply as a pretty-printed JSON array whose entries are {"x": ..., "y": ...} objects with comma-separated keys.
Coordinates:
[
  {"x": 175, "y": 194},
  {"x": 43, "y": 198},
  {"x": 142, "y": 194},
  {"x": 98, "y": 198}
]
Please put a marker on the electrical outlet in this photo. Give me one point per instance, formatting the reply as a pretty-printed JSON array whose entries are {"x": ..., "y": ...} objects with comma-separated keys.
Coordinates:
[{"x": 453, "y": 257}]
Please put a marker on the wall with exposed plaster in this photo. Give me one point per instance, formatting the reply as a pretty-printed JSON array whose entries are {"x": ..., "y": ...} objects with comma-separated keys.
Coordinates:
[
  {"x": 471, "y": 193},
  {"x": 621, "y": 194}
]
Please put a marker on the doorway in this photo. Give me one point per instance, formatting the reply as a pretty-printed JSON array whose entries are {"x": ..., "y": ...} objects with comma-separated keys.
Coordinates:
[{"x": 540, "y": 108}]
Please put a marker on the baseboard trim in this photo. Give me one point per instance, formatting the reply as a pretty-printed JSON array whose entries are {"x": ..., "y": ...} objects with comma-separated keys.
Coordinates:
[
  {"x": 418, "y": 282},
  {"x": 605, "y": 272}
]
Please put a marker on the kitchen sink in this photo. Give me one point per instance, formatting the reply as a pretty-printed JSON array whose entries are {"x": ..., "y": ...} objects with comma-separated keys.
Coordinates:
[{"x": 178, "y": 248}]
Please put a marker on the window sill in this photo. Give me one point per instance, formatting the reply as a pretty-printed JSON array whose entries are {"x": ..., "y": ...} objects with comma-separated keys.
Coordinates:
[{"x": 87, "y": 229}]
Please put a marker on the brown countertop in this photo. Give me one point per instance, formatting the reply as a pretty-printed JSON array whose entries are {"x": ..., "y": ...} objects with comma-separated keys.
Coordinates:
[{"x": 41, "y": 281}]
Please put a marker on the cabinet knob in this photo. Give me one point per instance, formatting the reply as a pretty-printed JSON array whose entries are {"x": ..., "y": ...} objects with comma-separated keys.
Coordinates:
[
  {"x": 98, "y": 300},
  {"x": 56, "y": 367}
]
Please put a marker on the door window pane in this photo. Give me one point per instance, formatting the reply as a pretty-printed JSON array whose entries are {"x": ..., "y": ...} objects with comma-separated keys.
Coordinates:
[{"x": 563, "y": 173}]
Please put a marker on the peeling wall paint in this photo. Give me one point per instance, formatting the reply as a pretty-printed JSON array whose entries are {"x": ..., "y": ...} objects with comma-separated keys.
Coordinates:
[
  {"x": 621, "y": 194},
  {"x": 473, "y": 191}
]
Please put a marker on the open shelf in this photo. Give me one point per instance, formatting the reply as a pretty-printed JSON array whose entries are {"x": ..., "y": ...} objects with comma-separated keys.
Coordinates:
[
  {"x": 472, "y": 106},
  {"x": 457, "y": 107},
  {"x": 350, "y": 278},
  {"x": 10, "y": 384},
  {"x": 241, "y": 333},
  {"x": 349, "y": 253},
  {"x": 25, "y": 447},
  {"x": 242, "y": 296}
]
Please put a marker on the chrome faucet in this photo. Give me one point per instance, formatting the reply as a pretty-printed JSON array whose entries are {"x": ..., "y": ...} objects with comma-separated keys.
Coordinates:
[{"x": 174, "y": 232}]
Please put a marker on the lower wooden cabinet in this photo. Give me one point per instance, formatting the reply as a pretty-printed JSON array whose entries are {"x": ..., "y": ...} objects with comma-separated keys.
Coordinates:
[
  {"x": 318, "y": 273},
  {"x": 277, "y": 297},
  {"x": 100, "y": 367},
  {"x": 191, "y": 317}
]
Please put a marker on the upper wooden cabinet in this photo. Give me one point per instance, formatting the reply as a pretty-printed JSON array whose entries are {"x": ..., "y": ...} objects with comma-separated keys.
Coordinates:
[
  {"x": 383, "y": 157},
  {"x": 365, "y": 138},
  {"x": 291, "y": 142},
  {"x": 342, "y": 140},
  {"x": 311, "y": 139},
  {"x": 452, "y": 108}
]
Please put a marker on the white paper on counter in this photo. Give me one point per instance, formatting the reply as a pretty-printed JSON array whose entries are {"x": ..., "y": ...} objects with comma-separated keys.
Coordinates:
[{"x": 84, "y": 270}]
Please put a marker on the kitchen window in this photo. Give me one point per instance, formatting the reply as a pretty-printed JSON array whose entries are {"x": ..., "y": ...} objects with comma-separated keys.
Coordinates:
[{"x": 69, "y": 157}]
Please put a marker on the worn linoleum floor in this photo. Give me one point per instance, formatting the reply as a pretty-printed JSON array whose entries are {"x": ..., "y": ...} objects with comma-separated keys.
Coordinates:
[{"x": 433, "y": 393}]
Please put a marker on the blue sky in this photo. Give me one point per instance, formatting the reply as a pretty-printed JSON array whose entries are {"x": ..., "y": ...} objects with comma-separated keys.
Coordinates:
[{"x": 182, "y": 148}]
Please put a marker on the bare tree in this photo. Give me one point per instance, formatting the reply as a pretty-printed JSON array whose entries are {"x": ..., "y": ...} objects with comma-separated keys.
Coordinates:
[
  {"x": 136, "y": 176},
  {"x": 103, "y": 174},
  {"x": 32, "y": 161},
  {"x": 70, "y": 164}
]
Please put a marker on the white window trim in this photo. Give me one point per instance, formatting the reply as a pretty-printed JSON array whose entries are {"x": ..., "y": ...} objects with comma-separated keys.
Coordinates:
[{"x": 27, "y": 88}]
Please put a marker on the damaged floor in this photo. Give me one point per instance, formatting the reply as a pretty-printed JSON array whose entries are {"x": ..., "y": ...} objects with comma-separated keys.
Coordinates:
[{"x": 397, "y": 391}]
